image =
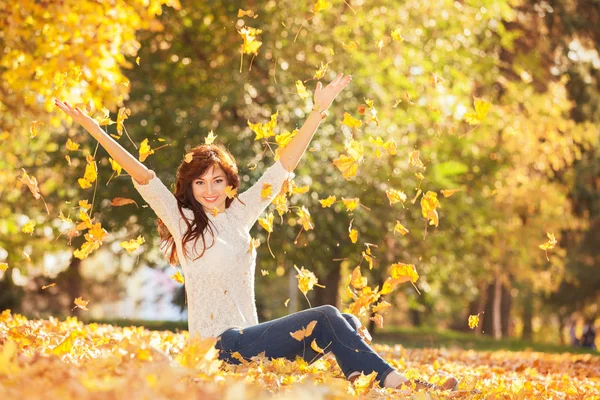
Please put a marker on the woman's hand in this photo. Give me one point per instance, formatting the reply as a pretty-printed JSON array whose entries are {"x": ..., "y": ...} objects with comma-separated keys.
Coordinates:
[
  {"x": 324, "y": 97},
  {"x": 76, "y": 113}
]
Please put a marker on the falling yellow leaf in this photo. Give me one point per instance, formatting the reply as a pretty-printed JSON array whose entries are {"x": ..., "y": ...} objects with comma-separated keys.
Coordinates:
[
  {"x": 115, "y": 166},
  {"x": 395, "y": 196},
  {"x": 47, "y": 286},
  {"x": 429, "y": 204},
  {"x": 137, "y": 61},
  {"x": 399, "y": 228},
  {"x": 121, "y": 117},
  {"x": 449, "y": 192},
  {"x": 79, "y": 302},
  {"x": 414, "y": 159},
  {"x": 401, "y": 272},
  {"x": 351, "y": 122},
  {"x": 306, "y": 280},
  {"x": 300, "y": 334},
  {"x": 397, "y": 35},
  {"x": 28, "y": 227},
  {"x": 321, "y": 71},
  {"x": 347, "y": 166},
  {"x": 351, "y": 204},
  {"x": 378, "y": 318},
  {"x": 315, "y": 347},
  {"x": 482, "y": 108},
  {"x": 264, "y": 272},
  {"x": 301, "y": 89},
  {"x": 473, "y": 321},
  {"x": 353, "y": 235},
  {"x": 254, "y": 243},
  {"x": 267, "y": 222},
  {"x": 264, "y": 131},
  {"x": 133, "y": 244},
  {"x": 328, "y": 201},
  {"x": 251, "y": 44},
  {"x": 321, "y": 5},
  {"x": 242, "y": 13},
  {"x": 71, "y": 146},
  {"x": 3, "y": 267},
  {"x": 304, "y": 218},
  {"x": 357, "y": 280},
  {"x": 230, "y": 191},
  {"x": 286, "y": 302},
  {"x": 145, "y": 150},
  {"x": 177, "y": 277},
  {"x": 266, "y": 190},
  {"x": 210, "y": 138}
]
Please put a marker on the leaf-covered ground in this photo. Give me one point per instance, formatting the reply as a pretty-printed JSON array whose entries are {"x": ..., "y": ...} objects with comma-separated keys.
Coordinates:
[{"x": 70, "y": 360}]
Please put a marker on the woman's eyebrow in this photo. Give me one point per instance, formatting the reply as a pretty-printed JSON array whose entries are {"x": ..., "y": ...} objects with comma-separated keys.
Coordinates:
[{"x": 215, "y": 177}]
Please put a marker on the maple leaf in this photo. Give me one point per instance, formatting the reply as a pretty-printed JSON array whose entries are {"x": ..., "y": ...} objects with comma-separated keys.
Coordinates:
[
  {"x": 121, "y": 117},
  {"x": 350, "y": 121},
  {"x": 351, "y": 204},
  {"x": 473, "y": 321},
  {"x": 71, "y": 146},
  {"x": 414, "y": 159},
  {"x": 401, "y": 272},
  {"x": 300, "y": 334},
  {"x": 250, "y": 44},
  {"x": 482, "y": 108},
  {"x": 549, "y": 244},
  {"x": 265, "y": 130},
  {"x": 177, "y": 277},
  {"x": 306, "y": 280},
  {"x": 399, "y": 228},
  {"x": 328, "y": 201},
  {"x": 28, "y": 227},
  {"x": 122, "y": 201},
  {"x": 348, "y": 166},
  {"x": 321, "y": 5},
  {"x": 357, "y": 280},
  {"x": 429, "y": 203},
  {"x": 449, "y": 192},
  {"x": 267, "y": 222},
  {"x": 395, "y": 196},
  {"x": 3, "y": 267},
  {"x": 145, "y": 150},
  {"x": 210, "y": 138},
  {"x": 115, "y": 166},
  {"x": 230, "y": 191},
  {"x": 397, "y": 35},
  {"x": 133, "y": 244},
  {"x": 301, "y": 89},
  {"x": 304, "y": 218},
  {"x": 79, "y": 302},
  {"x": 266, "y": 190}
]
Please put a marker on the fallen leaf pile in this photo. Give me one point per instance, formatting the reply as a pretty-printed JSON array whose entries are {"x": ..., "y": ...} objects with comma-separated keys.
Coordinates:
[{"x": 54, "y": 359}]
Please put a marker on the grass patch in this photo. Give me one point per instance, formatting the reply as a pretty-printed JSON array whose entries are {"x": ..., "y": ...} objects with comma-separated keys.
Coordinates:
[{"x": 422, "y": 337}]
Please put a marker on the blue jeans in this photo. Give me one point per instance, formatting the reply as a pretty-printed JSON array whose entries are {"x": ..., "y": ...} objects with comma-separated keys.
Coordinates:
[{"x": 334, "y": 331}]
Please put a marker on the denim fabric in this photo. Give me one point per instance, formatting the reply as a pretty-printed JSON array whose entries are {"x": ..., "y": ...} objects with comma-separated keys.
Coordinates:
[{"x": 334, "y": 331}]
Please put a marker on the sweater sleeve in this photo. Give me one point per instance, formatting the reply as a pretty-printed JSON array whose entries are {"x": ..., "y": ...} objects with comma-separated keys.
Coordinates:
[
  {"x": 255, "y": 204},
  {"x": 162, "y": 201}
]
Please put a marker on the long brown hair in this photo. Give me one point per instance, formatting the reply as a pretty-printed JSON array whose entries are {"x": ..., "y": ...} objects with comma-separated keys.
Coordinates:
[{"x": 203, "y": 158}]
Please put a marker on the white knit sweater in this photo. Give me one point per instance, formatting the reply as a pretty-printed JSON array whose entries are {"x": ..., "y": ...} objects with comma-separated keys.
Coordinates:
[{"x": 220, "y": 284}]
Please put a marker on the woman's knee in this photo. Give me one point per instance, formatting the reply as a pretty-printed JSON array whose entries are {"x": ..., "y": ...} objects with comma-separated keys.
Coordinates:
[
  {"x": 352, "y": 320},
  {"x": 328, "y": 309}
]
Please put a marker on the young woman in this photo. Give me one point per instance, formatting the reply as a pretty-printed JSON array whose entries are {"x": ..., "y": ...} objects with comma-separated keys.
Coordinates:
[{"x": 205, "y": 228}]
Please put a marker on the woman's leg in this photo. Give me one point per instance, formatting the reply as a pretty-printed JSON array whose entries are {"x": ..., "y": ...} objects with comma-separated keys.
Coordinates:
[{"x": 333, "y": 332}]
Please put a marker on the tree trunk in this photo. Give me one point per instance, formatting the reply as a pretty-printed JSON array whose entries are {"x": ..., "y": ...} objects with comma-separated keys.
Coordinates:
[
  {"x": 497, "y": 308},
  {"x": 528, "y": 317},
  {"x": 331, "y": 281},
  {"x": 74, "y": 283},
  {"x": 505, "y": 307}
]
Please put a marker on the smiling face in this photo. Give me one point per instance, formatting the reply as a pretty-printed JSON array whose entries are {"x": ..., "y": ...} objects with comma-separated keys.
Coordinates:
[{"x": 209, "y": 189}]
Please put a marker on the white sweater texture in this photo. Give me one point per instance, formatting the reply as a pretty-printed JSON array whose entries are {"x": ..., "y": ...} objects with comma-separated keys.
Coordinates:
[{"x": 220, "y": 284}]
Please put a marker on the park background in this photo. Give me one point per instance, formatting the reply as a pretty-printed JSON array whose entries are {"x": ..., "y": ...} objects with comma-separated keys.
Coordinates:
[{"x": 173, "y": 71}]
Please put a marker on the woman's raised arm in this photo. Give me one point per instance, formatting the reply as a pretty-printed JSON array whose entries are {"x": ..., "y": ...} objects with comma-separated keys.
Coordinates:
[{"x": 130, "y": 164}]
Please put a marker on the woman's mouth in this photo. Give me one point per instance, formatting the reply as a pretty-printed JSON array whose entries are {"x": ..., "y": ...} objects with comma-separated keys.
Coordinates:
[{"x": 211, "y": 199}]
